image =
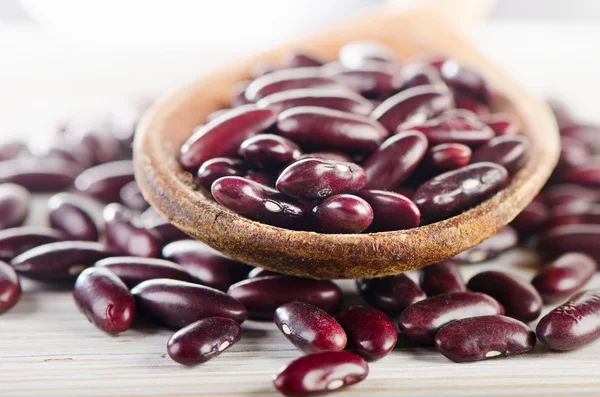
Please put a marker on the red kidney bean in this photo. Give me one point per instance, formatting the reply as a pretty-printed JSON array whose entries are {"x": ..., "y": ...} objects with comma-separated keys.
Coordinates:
[
  {"x": 587, "y": 174},
  {"x": 132, "y": 197},
  {"x": 59, "y": 261},
  {"x": 75, "y": 217},
  {"x": 564, "y": 276},
  {"x": 346, "y": 101},
  {"x": 205, "y": 339},
  {"x": 360, "y": 53},
  {"x": 10, "y": 150},
  {"x": 335, "y": 156},
  {"x": 309, "y": 328},
  {"x": 125, "y": 234},
  {"x": 134, "y": 270},
  {"x": 456, "y": 126},
  {"x": 14, "y": 205},
  {"x": 587, "y": 133},
  {"x": 205, "y": 264},
  {"x": 532, "y": 219},
  {"x": 160, "y": 227},
  {"x": 391, "y": 293},
  {"x": 92, "y": 132},
  {"x": 222, "y": 136},
  {"x": 441, "y": 278},
  {"x": 263, "y": 295},
  {"x": 16, "y": 240},
  {"x": 259, "y": 272},
  {"x": 179, "y": 303},
  {"x": 342, "y": 213},
  {"x": 105, "y": 181},
  {"x": 417, "y": 73},
  {"x": 10, "y": 287},
  {"x": 570, "y": 238},
  {"x": 502, "y": 123},
  {"x": 39, "y": 175},
  {"x": 572, "y": 324},
  {"x": 511, "y": 152},
  {"x": 320, "y": 373},
  {"x": 578, "y": 212},
  {"x": 519, "y": 298},
  {"x": 394, "y": 160},
  {"x": 504, "y": 239},
  {"x": 239, "y": 94},
  {"x": 454, "y": 191},
  {"x": 370, "y": 332},
  {"x": 104, "y": 299},
  {"x": 328, "y": 129},
  {"x": 480, "y": 338},
  {"x": 371, "y": 80},
  {"x": 261, "y": 176},
  {"x": 573, "y": 153},
  {"x": 413, "y": 105},
  {"x": 301, "y": 60},
  {"x": 466, "y": 101},
  {"x": 391, "y": 211},
  {"x": 422, "y": 320},
  {"x": 463, "y": 78},
  {"x": 267, "y": 150},
  {"x": 447, "y": 156}
]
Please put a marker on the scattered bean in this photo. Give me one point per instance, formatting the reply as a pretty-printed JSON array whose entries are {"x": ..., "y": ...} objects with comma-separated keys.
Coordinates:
[
  {"x": 391, "y": 293},
  {"x": 441, "y": 278},
  {"x": 134, "y": 270},
  {"x": 566, "y": 275},
  {"x": 370, "y": 332},
  {"x": 10, "y": 287}
]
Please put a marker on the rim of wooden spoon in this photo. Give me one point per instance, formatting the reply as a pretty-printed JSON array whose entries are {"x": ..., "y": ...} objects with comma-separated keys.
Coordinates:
[{"x": 173, "y": 193}]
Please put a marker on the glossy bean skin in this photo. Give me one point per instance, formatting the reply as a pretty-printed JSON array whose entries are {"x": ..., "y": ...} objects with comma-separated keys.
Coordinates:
[
  {"x": 519, "y": 298},
  {"x": 413, "y": 105},
  {"x": 463, "y": 78},
  {"x": 357, "y": 54},
  {"x": 259, "y": 272},
  {"x": 217, "y": 113},
  {"x": 391, "y": 294},
  {"x": 202, "y": 340},
  {"x": 502, "y": 124},
  {"x": 105, "y": 181},
  {"x": 570, "y": 238},
  {"x": 309, "y": 328},
  {"x": 532, "y": 219},
  {"x": 125, "y": 235},
  {"x": 567, "y": 193},
  {"x": 342, "y": 213},
  {"x": 59, "y": 261},
  {"x": 258, "y": 202},
  {"x": 134, "y": 270},
  {"x": 345, "y": 101},
  {"x": 564, "y": 276},
  {"x": 504, "y": 239},
  {"x": 511, "y": 152},
  {"x": 394, "y": 160},
  {"x": 327, "y": 129},
  {"x": 480, "y": 338},
  {"x": 16, "y": 240},
  {"x": 222, "y": 136},
  {"x": 39, "y": 175},
  {"x": 73, "y": 216},
  {"x": 419, "y": 73},
  {"x": 160, "y": 227},
  {"x": 587, "y": 174},
  {"x": 205, "y": 264},
  {"x": 10, "y": 287},
  {"x": 572, "y": 324},
  {"x": 391, "y": 211},
  {"x": 370, "y": 332},
  {"x": 336, "y": 156},
  {"x": 301, "y": 60},
  {"x": 372, "y": 80},
  {"x": 421, "y": 321},
  {"x": 131, "y": 196},
  {"x": 573, "y": 153},
  {"x": 104, "y": 299},
  {"x": 178, "y": 303},
  {"x": 266, "y": 150},
  {"x": 14, "y": 205},
  {"x": 441, "y": 278},
  {"x": 263, "y": 295},
  {"x": 447, "y": 157},
  {"x": 454, "y": 191}
]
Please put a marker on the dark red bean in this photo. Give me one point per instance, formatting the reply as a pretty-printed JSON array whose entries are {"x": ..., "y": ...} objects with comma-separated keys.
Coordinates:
[
  {"x": 336, "y": 156},
  {"x": 504, "y": 239},
  {"x": 75, "y": 217},
  {"x": 320, "y": 373},
  {"x": 573, "y": 153},
  {"x": 587, "y": 174},
  {"x": 14, "y": 205},
  {"x": 418, "y": 73},
  {"x": 16, "y": 240},
  {"x": 346, "y": 101},
  {"x": 309, "y": 328},
  {"x": 564, "y": 276},
  {"x": 360, "y": 53},
  {"x": 570, "y": 238},
  {"x": 370, "y": 332},
  {"x": 263, "y": 295},
  {"x": 301, "y": 60},
  {"x": 10, "y": 287},
  {"x": 60, "y": 261},
  {"x": 501, "y": 123},
  {"x": 447, "y": 156},
  {"x": 328, "y": 129},
  {"x": 179, "y": 303},
  {"x": 391, "y": 294},
  {"x": 480, "y": 338},
  {"x": 39, "y": 175},
  {"x": 266, "y": 150},
  {"x": 511, "y": 152},
  {"x": 342, "y": 213},
  {"x": 578, "y": 212},
  {"x": 519, "y": 298},
  {"x": 465, "y": 79},
  {"x": 222, "y": 136},
  {"x": 466, "y": 101},
  {"x": 205, "y": 264},
  {"x": 259, "y": 272},
  {"x": 532, "y": 219},
  {"x": 454, "y": 191},
  {"x": 125, "y": 234},
  {"x": 160, "y": 227},
  {"x": 391, "y": 211},
  {"x": 587, "y": 133},
  {"x": 205, "y": 339},
  {"x": 132, "y": 197},
  {"x": 441, "y": 278},
  {"x": 105, "y": 181},
  {"x": 10, "y": 150},
  {"x": 239, "y": 94},
  {"x": 394, "y": 160},
  {"x": 104, "y": 299},
  {"x": 92, "y": 133},
  {"x": 134, "y": 270},
  {"x": 262, "y": 176},
  {"x": 568, "y": 193},
  {"x": 414, "y": 105},
  {"x": 372, "y": 80},
  {"x": 572, "y": 324},
  {"x": 421, "y": 321}
]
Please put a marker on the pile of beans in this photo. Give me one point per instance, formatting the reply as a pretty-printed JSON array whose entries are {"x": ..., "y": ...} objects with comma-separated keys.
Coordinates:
[
  {"x": 364, "y": 143},
  {"x": 125, "y": 261}
]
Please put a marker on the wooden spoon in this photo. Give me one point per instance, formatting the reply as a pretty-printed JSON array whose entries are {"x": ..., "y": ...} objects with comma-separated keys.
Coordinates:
[{"x": 172, "y": 192}]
